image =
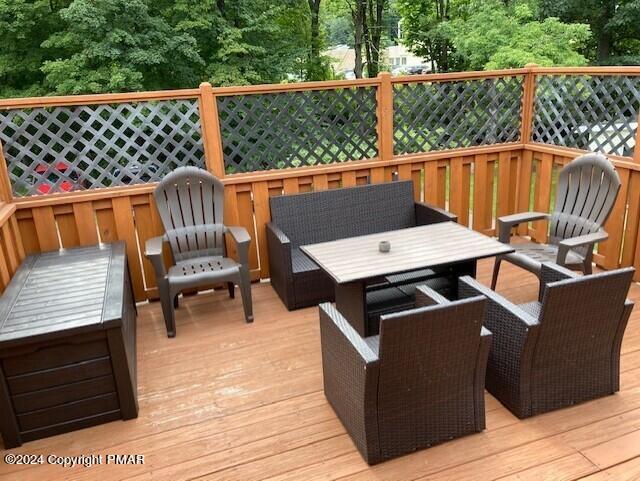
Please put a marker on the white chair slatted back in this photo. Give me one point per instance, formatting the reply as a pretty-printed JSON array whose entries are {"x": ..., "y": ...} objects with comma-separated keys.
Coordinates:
[
  {"x": 586, "y": 192},
  {"x": 191, "y": 206}
]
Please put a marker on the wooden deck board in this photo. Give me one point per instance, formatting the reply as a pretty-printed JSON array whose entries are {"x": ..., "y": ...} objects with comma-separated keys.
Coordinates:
[{"x": 228, "y": 400}]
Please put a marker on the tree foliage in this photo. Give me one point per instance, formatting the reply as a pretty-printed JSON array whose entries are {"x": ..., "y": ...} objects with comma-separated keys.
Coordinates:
[
  {"x": 615, "y": 26},
  {"x": 496, "y": 37},
  {"x": 24, "y": 25},
  {"x": 117, "y": 45},
  {"x": 489, "y": 34},
  {"x": 90, "y": 46}
]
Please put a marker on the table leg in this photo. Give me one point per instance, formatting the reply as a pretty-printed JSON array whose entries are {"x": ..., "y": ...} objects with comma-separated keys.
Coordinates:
[
  {"x": 351, "y": 301},
  {"x": 462, "y": 269}
]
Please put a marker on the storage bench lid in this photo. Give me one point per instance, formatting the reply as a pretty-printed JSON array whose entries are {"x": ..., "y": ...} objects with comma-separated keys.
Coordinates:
[{"x": 63, "y": 293}]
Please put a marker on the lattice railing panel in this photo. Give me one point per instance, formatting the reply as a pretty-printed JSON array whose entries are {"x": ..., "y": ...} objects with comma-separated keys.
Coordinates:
[
  {"x": 449, "y": 115},
  {"x": 595, "y": 113},
  {"x": 62, "y": 149},
  {"x": 296, "y": 129}
]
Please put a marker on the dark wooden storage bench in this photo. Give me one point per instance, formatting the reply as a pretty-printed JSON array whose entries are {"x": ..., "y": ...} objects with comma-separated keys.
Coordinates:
[{"x": 67, "y": 344}]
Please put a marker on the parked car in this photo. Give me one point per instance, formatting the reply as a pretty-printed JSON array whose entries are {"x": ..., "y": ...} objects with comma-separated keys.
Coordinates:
[
  {"x": 349, "y": 75},
  {"x": 37, "y": 179},
  {"x": 137, "y": 172}
]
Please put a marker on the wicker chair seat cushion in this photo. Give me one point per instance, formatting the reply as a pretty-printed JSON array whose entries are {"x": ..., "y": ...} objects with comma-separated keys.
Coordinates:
[
  {"x": 202, "y": 268},
  {"x": 530, "y": 255},
  {"x": 301, "y": 262},
  {"x": 532, "y": 308}
]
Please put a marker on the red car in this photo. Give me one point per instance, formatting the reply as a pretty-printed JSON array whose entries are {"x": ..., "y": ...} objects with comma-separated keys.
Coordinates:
[{"x": 44, "y": 187}]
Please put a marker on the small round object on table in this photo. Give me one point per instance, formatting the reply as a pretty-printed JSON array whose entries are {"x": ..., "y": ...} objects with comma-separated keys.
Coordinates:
[{"x": 384, "y": 246}]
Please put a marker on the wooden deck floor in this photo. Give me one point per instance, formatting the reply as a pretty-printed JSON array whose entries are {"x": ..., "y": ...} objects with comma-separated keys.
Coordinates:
[{"x": 230, "y": 401}]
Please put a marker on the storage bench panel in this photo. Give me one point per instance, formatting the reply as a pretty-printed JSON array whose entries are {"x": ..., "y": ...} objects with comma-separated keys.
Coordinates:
[
  {"x": 66, "y": 393},
  {"x": 68, "y": 412},
  {"x": 57, "y": 376},
  {"x": 47, "y": 357},
  {"x": 70, "y": 426}
]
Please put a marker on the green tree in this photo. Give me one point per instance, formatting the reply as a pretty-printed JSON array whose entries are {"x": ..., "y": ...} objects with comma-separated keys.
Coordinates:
[
  {"x": 117, "y": 45},
  {"x": 24, "y": 25},
  {"x": 498, "y": 37},
  {"x": 245, "y": 41},
  {"x": 428, "y": 32},
  {"x": 489, "y": 34},
  {"x": 339, "y": 31},
  {"x": 615, "y": 26}
]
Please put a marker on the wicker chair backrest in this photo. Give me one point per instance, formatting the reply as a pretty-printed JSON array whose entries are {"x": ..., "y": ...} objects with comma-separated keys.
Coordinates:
[
  {"x": 579, "y": 320},
  {"x": 428, "y": 358},
  {"x": 338, "y": 213},
  {"x": 191, "y": 206},
  {"x": 587, "y": 190}
]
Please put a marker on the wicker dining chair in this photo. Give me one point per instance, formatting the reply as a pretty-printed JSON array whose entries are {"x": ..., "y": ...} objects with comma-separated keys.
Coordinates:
[
  {"x": 586, "y": 192},
  {"x": 190, "y": 202},
  {"x": 562, "y": 349},
  {"x": 419, "y": 383}
]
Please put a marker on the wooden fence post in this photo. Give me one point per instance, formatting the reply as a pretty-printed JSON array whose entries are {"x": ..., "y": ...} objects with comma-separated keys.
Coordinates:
[
  {"x": 210, "y": 125},
  {"x": 385, "y": 116},
  {"x": 6, "y": 192},
  {"x": 528, "y": 101}
]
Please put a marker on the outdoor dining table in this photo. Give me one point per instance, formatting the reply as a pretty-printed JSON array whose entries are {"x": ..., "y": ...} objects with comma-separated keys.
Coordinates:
[{"x": 355, "y": 263}]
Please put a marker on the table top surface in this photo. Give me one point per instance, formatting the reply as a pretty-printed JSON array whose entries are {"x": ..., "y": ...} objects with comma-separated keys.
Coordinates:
[
  {"x": 65, "y": 290},
  {"x": 358, "y": 258}
]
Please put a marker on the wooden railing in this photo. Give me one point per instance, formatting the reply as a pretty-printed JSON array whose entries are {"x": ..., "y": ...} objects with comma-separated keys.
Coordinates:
[
  {"x": 477, "y": 183},
  {"x": 11, "y": 248}
]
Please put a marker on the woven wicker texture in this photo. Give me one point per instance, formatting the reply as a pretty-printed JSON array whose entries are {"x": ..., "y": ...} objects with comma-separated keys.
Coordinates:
[
  {"x": 449, "y": 115},
  {"x": 301, "y": 219},
  {"x": 62, "y": 149},
  {"x": 295, "y": 129},
  {"x": 562, "y": 351},
  {"x": 420, "y": 383},
  {"x": 595, "y": 113}
]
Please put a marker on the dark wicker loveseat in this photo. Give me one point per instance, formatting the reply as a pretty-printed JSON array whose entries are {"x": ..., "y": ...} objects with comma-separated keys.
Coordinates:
[{"x": 313, "y": 217}]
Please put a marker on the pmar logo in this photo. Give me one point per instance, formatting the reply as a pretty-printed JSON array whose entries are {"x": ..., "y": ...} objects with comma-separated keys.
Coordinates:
[{"x": 125, "y": 458}]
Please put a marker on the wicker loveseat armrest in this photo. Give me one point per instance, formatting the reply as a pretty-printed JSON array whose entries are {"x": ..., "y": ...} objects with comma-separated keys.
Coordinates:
[
  {"x": 279, "y": 247},
  {"x": 507, "y": 222},
  {"x": 425, "y": 296},
  {"x": 277, "y": 234},
  {"x": 429, "y": 214},
  {"x": 281, "y": 265},
  {"x": 153, "y": 250},
  {"x": 586, "y": 240},
  {"x": 242, "y": 241}
]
